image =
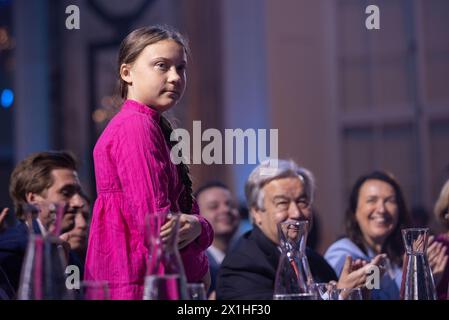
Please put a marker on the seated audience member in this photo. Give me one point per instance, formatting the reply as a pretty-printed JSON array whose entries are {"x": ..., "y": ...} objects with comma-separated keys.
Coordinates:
[
  {"x": 217, "y": 205},
  {"x": 40, "y": 180},
  {"x": 274, "y": 194},
  {"x": 377, "y": 212},
  {"x": 78, "y": 236},
  {"x": 442, "y": 214}
]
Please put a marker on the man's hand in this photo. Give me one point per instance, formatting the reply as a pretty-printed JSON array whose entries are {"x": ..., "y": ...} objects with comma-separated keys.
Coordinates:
[{"x": 351, "y": 278}]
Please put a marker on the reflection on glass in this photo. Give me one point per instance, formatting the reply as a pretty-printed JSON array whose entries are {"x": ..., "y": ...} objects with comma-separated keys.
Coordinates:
[
  {"x": 163, "y": 287},
  {"x": 296, "y": 296}
]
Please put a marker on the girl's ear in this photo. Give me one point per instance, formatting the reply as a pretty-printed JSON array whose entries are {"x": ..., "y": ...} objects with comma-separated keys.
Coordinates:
[{"x": 125, "y": 73}]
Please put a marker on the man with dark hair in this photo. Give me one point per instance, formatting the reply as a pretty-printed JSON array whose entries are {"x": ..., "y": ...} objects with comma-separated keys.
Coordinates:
[
  {"x": 41, "y": 181},
  {"x": 217, "y": 205},
  {"x": 78, "y": 236}
]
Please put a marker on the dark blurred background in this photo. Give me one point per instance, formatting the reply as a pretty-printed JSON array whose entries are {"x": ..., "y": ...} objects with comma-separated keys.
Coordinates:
[{"x": 345, "y": 99}]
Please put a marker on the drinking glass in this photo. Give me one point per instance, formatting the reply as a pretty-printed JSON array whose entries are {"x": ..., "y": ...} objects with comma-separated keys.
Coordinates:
[
  {"x": 346, "y": 294},
  {"x": 196, "y": 291},
  {"x": 322, "y": 290}
]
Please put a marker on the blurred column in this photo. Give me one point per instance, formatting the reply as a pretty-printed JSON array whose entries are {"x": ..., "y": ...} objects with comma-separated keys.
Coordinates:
[
  {"x": 204, "y": 97},
  {"x": 245, "y": 75},
  {"x": 32, "y": 111},
  {"x": 303, "y": 83}
]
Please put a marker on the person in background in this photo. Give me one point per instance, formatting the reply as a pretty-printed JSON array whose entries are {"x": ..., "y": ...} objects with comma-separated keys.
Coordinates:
[
  {"x": 377, "y": 212},
  {"x": 39, "y": 181},
  {"x": 78, "y": 236},
  {"x": 218, "y": 206}
]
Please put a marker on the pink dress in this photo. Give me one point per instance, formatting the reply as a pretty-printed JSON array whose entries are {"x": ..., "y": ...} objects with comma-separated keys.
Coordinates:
[{"x": 135, "y": 176}]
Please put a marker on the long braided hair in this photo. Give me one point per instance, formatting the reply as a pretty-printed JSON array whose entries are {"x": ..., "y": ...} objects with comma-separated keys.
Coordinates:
[
  {"x": 186, "y": 200},
  {"x": 130, "y": 49}
]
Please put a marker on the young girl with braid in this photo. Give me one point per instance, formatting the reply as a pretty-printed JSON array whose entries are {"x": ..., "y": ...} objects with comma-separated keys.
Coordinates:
[{"x": 134, "y": 173}]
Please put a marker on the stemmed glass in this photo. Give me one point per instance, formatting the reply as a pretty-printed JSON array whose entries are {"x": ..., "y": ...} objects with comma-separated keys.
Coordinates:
[
  {"x": 322, "y": 290},
  {"x": 165, "y": 278},
  {"x": 43, "y": 269},
  {"x": 163, "y": 287}
]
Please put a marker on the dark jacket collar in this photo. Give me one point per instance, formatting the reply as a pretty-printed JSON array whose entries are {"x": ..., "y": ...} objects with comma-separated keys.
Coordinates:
[
  {"x": 36, "y": 228},
  {"x": 268, "y": 247}
]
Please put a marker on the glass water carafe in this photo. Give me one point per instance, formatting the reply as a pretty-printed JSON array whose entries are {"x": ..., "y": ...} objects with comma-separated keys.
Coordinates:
[
  {"x": 293, "y": 277},
  {"x": 417, "y": 278},
  {"x": 165, "y": 278},
  {"x": 43, "y": 270}
]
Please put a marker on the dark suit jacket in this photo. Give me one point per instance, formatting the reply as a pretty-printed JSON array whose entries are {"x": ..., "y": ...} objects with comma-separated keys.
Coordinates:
[
  {"x": 214, "y": 266},
  {"x": 13, "y": 243},
  {"x": 249, "y": 271}
]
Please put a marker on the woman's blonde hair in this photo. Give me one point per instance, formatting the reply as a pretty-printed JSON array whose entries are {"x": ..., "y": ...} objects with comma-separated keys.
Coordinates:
[{"x": 441, "y": 209}]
